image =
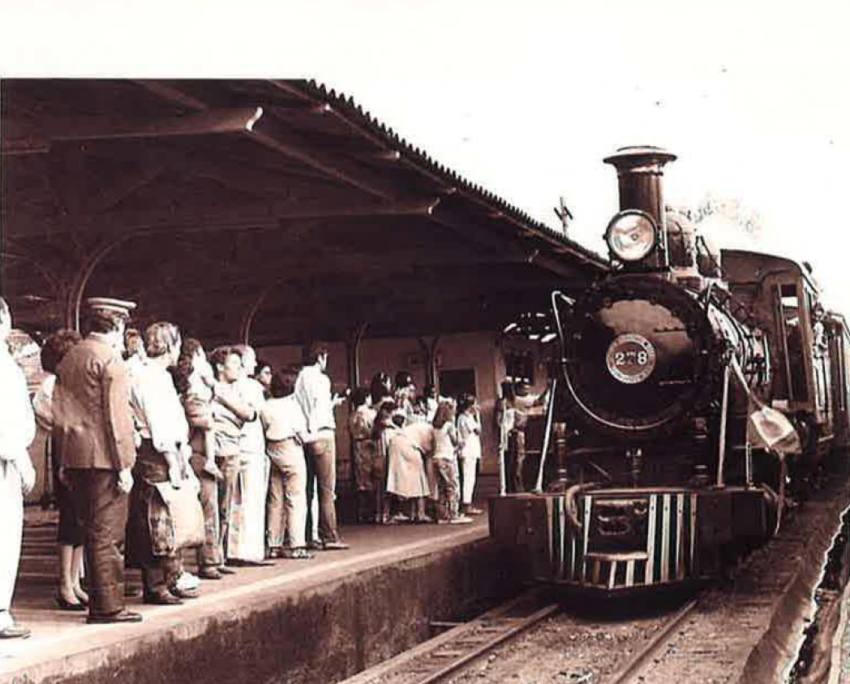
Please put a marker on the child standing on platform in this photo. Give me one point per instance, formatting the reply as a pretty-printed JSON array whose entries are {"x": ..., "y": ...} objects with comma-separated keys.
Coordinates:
[
  {"x": 469, "y": 450},
  {"x": 445, "y": 464}
]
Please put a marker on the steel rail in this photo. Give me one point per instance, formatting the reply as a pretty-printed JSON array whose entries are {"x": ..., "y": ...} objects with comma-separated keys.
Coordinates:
[
  {"x": 632, "y": 668},
  {"x": 462, "y": 643},
  {"x": 490, "y": 644}
]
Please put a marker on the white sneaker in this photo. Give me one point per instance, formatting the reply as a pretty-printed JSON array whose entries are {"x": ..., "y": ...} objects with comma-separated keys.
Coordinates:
[
  {"x": 188, "y": 581},
  {"x": 461, "y": 520}
]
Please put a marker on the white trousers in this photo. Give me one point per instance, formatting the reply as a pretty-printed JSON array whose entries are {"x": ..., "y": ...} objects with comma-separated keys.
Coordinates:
[
  {"x": 468, "y": 468},
  {"x": 11, "y": 531},
  {"x": 247, "y": 534}
]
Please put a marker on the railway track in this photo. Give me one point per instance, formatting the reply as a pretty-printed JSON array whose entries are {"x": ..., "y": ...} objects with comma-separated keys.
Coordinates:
[
  {"x": 633, "y": 667},
  {"x": 437, "y": 659}
]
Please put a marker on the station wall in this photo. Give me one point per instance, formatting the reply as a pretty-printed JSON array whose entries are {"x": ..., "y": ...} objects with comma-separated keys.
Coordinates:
[{"x": 477, "y": 351}]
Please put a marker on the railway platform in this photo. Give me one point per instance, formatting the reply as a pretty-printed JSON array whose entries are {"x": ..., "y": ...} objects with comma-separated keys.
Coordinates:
[{"x": 317, "y": 620}]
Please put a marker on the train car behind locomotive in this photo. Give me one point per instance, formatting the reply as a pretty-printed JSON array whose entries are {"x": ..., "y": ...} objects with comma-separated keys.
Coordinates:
[{"x": 692, "y": 386}]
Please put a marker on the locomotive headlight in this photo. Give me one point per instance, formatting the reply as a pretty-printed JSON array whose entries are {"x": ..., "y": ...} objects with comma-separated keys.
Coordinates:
[{"x": 631, "y": 235}]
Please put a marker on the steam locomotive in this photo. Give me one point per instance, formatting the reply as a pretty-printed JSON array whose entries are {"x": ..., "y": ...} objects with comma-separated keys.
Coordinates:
[{"x": 694, "y": 389}]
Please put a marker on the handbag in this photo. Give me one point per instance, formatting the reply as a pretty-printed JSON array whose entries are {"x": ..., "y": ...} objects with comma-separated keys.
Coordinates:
[{"x": 185, "y": 513}]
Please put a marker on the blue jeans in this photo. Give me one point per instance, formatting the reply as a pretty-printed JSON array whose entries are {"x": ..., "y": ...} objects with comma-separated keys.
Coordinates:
[{"x": 321, "y": 463}]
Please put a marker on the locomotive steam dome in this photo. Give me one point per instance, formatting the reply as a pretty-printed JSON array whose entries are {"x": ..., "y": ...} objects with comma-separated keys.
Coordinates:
[{"x": 640, "y": 356}]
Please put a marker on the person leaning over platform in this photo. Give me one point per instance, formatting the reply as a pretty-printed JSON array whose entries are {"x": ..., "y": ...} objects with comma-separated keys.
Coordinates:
[
  {"x": 284, "y": 424},
  {"x": 95, "y": 439},
  {"x": 410, "y": 448},
  {"x": 162, "y": 457},
  {"x": 17, "y": 476},
  {"x": 230, "y": 412},
  {"x": 246, "y": 544},
  {"x": 313, "y": 394},
  {"x": 194, "y": 380},
  {"x": 70, "y": 595},
  {"x": 469, "y": 450}
]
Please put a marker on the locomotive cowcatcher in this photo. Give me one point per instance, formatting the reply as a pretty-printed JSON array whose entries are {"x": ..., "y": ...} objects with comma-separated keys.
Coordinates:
[{"x": 694, "y": 392}]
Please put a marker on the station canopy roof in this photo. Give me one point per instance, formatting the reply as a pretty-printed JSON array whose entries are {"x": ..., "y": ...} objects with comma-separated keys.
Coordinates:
[{"x": 275, "y": 208}]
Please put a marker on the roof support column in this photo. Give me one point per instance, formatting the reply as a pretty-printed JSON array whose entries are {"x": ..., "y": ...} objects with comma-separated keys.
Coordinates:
[
  {"x": 251, "y": 313},
  {"x": 352, "y": 350},
  {"x": 430, "y": 351}
]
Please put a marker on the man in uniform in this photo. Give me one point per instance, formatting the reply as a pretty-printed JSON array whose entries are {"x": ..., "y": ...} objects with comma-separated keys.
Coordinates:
[{"x": 94, "y": 423}]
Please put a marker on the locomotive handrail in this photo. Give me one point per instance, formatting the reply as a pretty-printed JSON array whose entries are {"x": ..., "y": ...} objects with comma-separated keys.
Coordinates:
[
  {"x": 570, "y": 301},
  {"x": 547, "y": 435},
  {"x": 570, "y": 507}
]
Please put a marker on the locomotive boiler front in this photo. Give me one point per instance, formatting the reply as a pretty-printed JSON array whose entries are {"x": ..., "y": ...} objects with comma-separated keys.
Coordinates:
[{"x": 641, "y": 355}]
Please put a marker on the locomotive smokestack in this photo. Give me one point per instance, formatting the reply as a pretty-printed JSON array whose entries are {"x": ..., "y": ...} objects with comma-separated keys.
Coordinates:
[{"x": 639, "y": 170}]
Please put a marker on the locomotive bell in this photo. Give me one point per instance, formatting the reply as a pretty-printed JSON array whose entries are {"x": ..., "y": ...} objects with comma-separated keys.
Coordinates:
[{"x": 637, "y": 234}]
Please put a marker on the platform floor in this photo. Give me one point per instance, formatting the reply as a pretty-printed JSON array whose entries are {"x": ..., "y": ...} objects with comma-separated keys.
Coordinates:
[{"x": 61, "y": 637}]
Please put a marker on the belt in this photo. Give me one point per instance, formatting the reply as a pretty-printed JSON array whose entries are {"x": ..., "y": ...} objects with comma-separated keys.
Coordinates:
[{"x": 281, "y": 441}]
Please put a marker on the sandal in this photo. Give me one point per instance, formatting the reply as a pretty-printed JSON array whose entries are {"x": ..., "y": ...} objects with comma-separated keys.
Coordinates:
[{"x": 297, "y": 554}]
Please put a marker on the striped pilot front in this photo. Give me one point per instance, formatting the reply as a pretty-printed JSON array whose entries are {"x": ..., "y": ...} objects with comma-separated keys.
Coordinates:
[{"x": 627, "y": 540}]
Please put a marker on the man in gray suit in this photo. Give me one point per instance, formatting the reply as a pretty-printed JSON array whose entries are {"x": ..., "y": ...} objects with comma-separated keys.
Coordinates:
[{"x": 94, "y": 422}]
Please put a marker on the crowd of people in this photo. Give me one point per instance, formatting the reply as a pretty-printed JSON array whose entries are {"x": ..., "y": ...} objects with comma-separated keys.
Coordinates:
[{"x": 146, "y": 427}]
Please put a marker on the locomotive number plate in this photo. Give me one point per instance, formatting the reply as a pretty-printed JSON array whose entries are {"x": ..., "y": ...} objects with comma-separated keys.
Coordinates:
[{"x": 630, "y": 358}]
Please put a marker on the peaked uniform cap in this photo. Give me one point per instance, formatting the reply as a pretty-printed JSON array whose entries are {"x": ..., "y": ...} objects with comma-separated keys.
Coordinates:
[{"x": 110, "y": 304}]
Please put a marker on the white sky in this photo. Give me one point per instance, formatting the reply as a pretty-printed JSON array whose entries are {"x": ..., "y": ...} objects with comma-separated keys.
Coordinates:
[{"x": 525, "y": 98}]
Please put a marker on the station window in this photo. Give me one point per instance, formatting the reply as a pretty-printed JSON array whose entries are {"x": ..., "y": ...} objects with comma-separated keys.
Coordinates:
[{"x": 455, "y": 382}]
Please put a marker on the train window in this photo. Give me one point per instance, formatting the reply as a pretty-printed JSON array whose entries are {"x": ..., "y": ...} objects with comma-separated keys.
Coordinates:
[{"x": 794, "y": 338}]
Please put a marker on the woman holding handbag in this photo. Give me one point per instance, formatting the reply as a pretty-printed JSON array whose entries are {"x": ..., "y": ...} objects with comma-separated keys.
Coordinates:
[{"x": 162, "y": 466}]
